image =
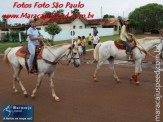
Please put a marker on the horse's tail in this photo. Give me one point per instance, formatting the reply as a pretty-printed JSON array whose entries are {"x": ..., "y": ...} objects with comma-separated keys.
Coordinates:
[
  {"x": 5, "y": 58},
  {"x": 96, "y": 52}
]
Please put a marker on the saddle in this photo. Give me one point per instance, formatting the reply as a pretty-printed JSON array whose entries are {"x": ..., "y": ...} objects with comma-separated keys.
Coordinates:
[
  {"x": 24, "y": 52},
  {"x": 120, "y": 45}
]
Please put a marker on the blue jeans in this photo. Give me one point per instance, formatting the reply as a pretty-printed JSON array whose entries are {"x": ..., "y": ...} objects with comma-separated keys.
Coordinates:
[
  {"x": 84, "y": 52},
  {"x": 128, "y": 45},
  {"x": 31, "y": 49}
]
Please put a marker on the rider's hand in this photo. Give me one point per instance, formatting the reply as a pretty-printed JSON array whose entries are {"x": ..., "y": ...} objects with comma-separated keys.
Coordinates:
[
  {"x": 45, "y": 40},
  {"x": 132, "y": 35},
  {"x": 41, "y": 38}
]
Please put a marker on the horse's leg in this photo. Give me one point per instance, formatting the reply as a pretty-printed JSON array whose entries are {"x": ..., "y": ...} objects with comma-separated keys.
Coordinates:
[
  {"x": 138, "y": 70},
  {"x": 96, "y": 70},
  {"x": 52, "y": 87},
  {"x": 39, "y": 79},
  {"x": 16, "y": 78},
  {"x": 111, "y": 63},
  {"x": 20, "y": 83}
]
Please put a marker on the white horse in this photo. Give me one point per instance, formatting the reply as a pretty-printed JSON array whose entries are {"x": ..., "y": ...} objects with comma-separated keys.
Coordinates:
[
  {"x": 51, "y": 54},
  {"x": 108, "y": 51}
]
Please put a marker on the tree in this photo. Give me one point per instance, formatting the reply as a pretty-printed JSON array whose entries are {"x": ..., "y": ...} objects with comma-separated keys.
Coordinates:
[
  {"x": 14, "y": 36},
  {"x": 4, "y": 21},
  {"x": 75, "y": 11},
  {"x": 58, "y": 12},
  {"x": 23, "y": 36},
  {"x": 147, "y": 17},
  {"x": 53, "y": 29},
  {"x": 7, "y": 37},
  {"x": 108, "y": 16},
  {"x": 47, "y": 13}
]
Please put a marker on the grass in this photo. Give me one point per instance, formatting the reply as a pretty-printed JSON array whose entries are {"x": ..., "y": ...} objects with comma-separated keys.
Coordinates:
[
  {"x": 5, "y": 45},
  {"x": 115, "y": 37}
]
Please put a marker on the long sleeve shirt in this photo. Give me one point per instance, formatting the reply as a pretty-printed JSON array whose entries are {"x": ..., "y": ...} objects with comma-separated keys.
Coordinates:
[{"x": 124, "y": 35}]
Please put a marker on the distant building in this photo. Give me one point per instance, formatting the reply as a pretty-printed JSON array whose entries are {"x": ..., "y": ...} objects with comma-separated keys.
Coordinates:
[
  {"x": 105, "y": 23},
  {"x": 67, "y": 24},
  {"x": 3, "y": 30},
  {"x": 113, "y": 23}
]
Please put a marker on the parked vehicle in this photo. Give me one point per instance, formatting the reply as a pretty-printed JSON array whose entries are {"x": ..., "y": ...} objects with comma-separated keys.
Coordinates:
[{"x": 155, "y": 31}]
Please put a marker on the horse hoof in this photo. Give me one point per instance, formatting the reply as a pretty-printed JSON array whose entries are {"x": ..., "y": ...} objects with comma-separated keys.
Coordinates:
[
  {"x": 33, "y": 96},
  {"x": 118, "y": 81},
  {"x": 131, "y": 79},
  {"x": 57, "y": 99},
  {"x": 26, "y": 95},
  {"x": 15, "y": 91},
  {"x": 95, "y": 80},
  {"x": 137, "y": 83}
]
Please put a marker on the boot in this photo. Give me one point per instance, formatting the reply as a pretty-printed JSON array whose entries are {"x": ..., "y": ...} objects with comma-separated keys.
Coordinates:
[
  {"x": 129, "y": 55},
  {"x": 32, "y": 70}
]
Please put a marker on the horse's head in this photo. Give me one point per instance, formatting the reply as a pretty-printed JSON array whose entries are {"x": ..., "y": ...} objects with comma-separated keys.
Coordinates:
[
  {"x": 160, "y": 48},
  {"x": 73, "y": 55}
]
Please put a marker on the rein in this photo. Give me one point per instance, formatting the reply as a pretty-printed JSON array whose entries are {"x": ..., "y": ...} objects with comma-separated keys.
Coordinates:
[
  {"x": 143, "y": 49},
  {"x": 58, "y": 60}
]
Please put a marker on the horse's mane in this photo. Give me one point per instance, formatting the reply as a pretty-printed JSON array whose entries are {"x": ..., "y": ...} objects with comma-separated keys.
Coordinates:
[
  {"x": 59, "y": 45},
  {"x": 143, "y": 40}
]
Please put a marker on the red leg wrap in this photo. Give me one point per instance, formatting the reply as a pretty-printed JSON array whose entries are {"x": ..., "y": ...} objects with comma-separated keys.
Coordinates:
[{"x": 135, "y": 77}]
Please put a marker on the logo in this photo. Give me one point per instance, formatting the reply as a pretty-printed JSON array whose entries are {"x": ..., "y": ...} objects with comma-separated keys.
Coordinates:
[{"x": 17, "y": 112}]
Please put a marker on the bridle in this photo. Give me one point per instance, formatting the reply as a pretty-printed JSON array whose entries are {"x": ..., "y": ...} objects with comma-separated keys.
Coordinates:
[
  {"x": 72, "y": 54},
  {"x": 161, "y": 49},
  {"x": 58, "y": 60}
]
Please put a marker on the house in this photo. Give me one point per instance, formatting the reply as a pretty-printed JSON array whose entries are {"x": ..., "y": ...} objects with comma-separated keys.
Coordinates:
[
  {"x": 64, "y": 23},
  {"x": 105, "y": 23},
  {"x": 18, "y": 28},
  {"x": 96, "y": 23},
  {"x": 113, "y": 23},
  {"x": 3, "y": 30}
]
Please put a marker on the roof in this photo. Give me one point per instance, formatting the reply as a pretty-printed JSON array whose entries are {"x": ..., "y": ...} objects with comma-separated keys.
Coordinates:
[
  {"x": 96, "y": 21},
  {"x": 111, "y": 22},
  {"x": 3, "y": 26},
  {"x": 105, "y": 22},
  {"x": 58, "y": 21},
  {"x": 42, "y": 21}
]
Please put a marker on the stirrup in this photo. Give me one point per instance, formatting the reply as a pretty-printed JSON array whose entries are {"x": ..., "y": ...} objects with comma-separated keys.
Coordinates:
[{"x": 130, "y": 59}]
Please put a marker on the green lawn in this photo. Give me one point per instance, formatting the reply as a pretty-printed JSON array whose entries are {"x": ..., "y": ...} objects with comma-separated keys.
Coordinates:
[
  {"x": 115, "y": 37},
  {"x": 5, "y": 45}
]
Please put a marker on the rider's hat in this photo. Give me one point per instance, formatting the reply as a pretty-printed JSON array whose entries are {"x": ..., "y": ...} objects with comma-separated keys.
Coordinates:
[
  {"x": 127, "y": 19},
  {"x": 31, "y": 20}
]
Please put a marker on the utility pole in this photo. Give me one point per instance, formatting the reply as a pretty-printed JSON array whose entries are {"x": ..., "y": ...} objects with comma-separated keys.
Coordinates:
[{"x": 101, "y": 16}]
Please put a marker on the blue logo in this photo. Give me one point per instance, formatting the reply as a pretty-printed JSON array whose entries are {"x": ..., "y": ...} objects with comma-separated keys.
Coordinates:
[{"x": 17, "y": 112}]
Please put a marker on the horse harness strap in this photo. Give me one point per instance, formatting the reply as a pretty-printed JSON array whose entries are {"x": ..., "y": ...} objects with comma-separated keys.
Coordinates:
[
  {"x": 142, "y": 50},
  {"x": 49, "y": 62}
]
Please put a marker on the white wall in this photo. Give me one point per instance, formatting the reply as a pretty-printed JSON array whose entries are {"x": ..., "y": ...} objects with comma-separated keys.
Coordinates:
[
  {"x": 65, "y": 26},
  {"x": 65, "y": 34},
  {"x": 77, "y": 23}
]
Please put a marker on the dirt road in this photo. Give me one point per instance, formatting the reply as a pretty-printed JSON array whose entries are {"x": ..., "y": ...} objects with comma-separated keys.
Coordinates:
[{"x": 83, "y": 100}]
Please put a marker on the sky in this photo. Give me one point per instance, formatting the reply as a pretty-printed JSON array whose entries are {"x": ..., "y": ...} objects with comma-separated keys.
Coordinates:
[{"x": 111, "y": 7}]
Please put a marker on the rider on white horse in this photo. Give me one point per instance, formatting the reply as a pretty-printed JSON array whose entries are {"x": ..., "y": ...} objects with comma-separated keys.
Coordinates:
[
  {"x": 124, "y": 36},
  {"x": 33, "y": 37}
]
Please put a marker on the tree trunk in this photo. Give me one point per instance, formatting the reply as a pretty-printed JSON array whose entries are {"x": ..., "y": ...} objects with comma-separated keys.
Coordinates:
[{"x": 52, "y": 40}]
